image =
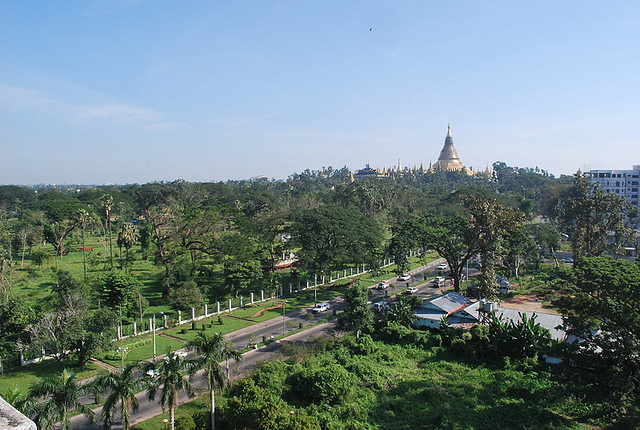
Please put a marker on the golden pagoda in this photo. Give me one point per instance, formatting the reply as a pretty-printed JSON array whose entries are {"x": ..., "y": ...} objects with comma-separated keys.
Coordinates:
[{"x": 448, "y": 161}]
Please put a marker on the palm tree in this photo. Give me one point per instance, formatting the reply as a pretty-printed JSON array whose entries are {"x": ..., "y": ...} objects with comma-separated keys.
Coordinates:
[
  {"x": 168, "y": 378},
  {"x": 122, "y": 387},
  {"x": 211, "y": 351},
  {"x": 127, "y": 237},
  {"x": 106, "y": 201},
  {"x": 55, "y": 397}
]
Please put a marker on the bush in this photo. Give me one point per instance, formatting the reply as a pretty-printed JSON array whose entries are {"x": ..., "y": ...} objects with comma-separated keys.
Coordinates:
[
  {"x": 185, "y": 423},
  {"x": 186, "y": 296},
  {"x": 330, "y": 384},
  {"x": 39, "y": 256}
]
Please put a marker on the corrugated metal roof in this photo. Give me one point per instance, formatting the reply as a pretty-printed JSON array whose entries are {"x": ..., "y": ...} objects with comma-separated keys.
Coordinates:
[
  {"x": 450, "y": 302},
  {"x": 548, "y": 321}
]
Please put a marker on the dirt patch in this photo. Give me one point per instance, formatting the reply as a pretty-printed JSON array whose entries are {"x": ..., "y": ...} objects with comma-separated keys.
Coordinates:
[
  {"x": 528, "y": 302},
  {"x": 261, "y": 312}
]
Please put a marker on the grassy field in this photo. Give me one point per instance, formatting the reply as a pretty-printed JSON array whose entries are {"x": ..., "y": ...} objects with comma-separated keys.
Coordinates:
[
  {"x": 29, "y": 375},
  {"x": 211, "y": 326}
]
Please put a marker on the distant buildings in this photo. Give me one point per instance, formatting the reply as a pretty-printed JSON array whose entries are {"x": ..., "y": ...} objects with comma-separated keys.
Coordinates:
[
  {"x": 624, "y": 183},
  {"x": 448, "y": 161}
]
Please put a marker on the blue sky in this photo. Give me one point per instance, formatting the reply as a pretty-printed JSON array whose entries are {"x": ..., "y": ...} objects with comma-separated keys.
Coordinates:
[{"x": 124, "y": 91}]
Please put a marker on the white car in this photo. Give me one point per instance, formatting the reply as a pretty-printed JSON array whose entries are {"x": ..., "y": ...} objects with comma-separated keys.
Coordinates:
[
  {"x": 411, "y": 290},
  {"x": 442, "y": 266},
  {"x": 379, "y": 306},
  {"x": 320, "y": 307},
  {"x": 383, "y": 285},
  {"x": 405, "y": 277}
]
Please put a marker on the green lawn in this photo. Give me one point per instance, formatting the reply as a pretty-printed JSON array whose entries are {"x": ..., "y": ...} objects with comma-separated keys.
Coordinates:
[
  {"x": 229, "y": 325},
  {"x": 139, "y": 348},
  {"x": 28, "y": 375}
]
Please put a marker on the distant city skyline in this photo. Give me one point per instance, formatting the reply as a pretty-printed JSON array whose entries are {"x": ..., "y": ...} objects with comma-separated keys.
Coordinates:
[{"x": 133, "y": 91}]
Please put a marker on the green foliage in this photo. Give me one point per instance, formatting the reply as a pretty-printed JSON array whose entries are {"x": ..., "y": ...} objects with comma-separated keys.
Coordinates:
[
  {"x": 602, "y": 311},
  {"x": 330, "y": 384},
  {"x": 332, "y": 237},
  {"x": 120, "y": 292},
  {"x": 357, "y": 315},
  {"x": 396, "y": 387},
  {"x": 55, "y": 397},
  {"x": 186, "y": 296},
  {"x": 596, "y": 221}
]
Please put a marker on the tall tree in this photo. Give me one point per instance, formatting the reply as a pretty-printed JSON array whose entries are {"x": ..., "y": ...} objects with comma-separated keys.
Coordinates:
[
  {"x": 601, "y": 310},
  {"x": 61, "y": 218},
  {"x": 121, "y": 387},
  {"x": 472, "y": 226},
  {"x": 358, "y": 315},
  {"x": 56, "y": 397},
  {"x": 106, "y": 204},
  {"x": 332, "y": 237},
  {"x": 490, "y": 222},
  {"x": 170, "y": 381},
  {"x": 211, "y": 351},
  {"x": 597, "y": 222},
  {"x": 127, "y": 237}
]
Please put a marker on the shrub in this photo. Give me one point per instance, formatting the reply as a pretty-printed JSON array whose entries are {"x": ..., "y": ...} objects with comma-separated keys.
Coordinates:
[
  {"x": 330, "y": 384},
  {"x": 185, "y": 423},
  {"x": 186, "y": 296}
]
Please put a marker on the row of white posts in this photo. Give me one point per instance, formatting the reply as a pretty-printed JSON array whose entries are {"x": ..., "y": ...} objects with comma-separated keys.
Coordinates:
[
  {"x": 228, "y": 306},
  {"x": 282, "y": 290}
]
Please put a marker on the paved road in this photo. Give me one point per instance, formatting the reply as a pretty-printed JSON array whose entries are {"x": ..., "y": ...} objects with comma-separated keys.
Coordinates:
[
  {"x": 275, "y": 327},
  {"x": 250, "y": 361}
]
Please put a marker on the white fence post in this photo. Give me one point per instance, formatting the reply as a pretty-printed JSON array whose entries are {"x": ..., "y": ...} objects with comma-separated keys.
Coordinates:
[
  {"x": 179, "y": 317},
  {"x": 251, "y": 298}
]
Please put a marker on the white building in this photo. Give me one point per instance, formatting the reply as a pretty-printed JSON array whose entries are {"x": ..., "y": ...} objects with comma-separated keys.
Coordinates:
[{"x": 624, "y": 183}]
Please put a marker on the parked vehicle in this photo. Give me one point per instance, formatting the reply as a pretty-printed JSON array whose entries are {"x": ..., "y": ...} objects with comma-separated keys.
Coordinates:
[
  {"x": 405, "y": 277},
  {"x": 411, "y": 290},
  {"x": 442, "y": 267},
  {"x": 439, "y": 281},
  {"x": 320, "y": 307}
]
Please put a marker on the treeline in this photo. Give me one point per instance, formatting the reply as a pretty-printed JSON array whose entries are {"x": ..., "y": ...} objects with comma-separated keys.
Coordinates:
[{"x": 210, "y": 241}]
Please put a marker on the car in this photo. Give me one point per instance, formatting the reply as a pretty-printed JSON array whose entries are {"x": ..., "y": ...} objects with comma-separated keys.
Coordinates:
[
  {"x": 405, "y": 277},
  {"x": 442, "y": 266},
  {"x": 320, "y": 307},
  {"x": 411, "y": 290},
  {"x": 383, "y": 285},
  {"x": 380, "y": 306},
  {"x": 438, "y": 281},
  {"x": 567, "y": 260}
]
